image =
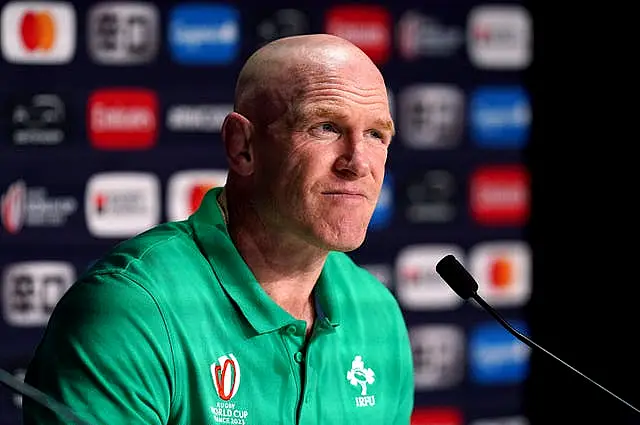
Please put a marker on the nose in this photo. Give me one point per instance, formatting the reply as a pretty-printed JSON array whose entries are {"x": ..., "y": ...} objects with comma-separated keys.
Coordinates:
[{"x": 353, "y": 162}]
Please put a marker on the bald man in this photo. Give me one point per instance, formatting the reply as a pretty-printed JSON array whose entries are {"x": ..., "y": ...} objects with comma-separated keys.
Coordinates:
[{"x": 250, "y": 312}]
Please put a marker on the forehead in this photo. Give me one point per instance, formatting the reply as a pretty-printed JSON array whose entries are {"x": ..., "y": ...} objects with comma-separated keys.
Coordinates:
[
  {"x": 332, "y": 93},
  {"x": 333, "y": 99},
  {"x": 349, "y": 90},
  {"x": 351, "y": 77}
]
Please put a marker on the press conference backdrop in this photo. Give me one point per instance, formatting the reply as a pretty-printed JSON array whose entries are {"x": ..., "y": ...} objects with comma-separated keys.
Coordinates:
[{"x": 110, "y": 124}]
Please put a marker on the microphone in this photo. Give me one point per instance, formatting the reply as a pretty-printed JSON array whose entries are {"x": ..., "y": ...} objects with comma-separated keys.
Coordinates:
[
  {"x": 41, "y": 398},
  {"x": 463, "y": 284}
]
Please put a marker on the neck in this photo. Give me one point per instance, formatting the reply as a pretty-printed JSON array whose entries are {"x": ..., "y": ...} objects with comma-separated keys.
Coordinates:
[{"x": 285, "y": 266}]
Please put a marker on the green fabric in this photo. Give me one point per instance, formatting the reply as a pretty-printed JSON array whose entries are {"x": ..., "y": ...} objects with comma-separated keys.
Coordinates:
[{"x": 171, "y": 327}]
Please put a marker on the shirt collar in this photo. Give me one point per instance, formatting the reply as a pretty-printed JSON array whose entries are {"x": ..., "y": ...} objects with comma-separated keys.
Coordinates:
[{"x": 237, "y": 280}]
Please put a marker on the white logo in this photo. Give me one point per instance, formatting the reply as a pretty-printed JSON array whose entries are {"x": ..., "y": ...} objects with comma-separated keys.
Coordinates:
[
  {"x": 38, "y": 32},
  {"x": 226, "y": 379},
  {"x": 22, "y": 206},
  {"x": 422, "y": 35},
  {"x": 204, "y": 118},
  {"x": 418, "y": 285},
  {"x": 431, "y": 116},
  {"x": 126, "y": 118},
  {"x": 122, "y": 204},
  {"x": 438, "y": 355},
  {"x": 199, "y": 36},
  {"x": 31, "y": 290},
  {"x": 503, "y": 269},
  {"x": 38, "y": 120},
  {"x": 123, "y": 33},
  {"x": 500, "y": 37},
  {"x": 359, "y": 375}
]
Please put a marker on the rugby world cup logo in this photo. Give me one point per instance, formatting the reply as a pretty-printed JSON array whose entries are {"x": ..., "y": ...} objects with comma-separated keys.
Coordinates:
[
  {"x": 226, "y": 376},
  {"x": 13, "y": 207}
]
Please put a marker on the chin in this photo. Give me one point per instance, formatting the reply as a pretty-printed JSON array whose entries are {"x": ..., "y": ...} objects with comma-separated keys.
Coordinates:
[
  {"x": 343, "y": 241},
  {"x": 340, "y": 232},
  {"x": 346, "y": 247}
]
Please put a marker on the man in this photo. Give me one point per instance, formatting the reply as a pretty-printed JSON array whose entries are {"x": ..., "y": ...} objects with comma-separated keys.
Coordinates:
[{"x": 249, "y": 312}]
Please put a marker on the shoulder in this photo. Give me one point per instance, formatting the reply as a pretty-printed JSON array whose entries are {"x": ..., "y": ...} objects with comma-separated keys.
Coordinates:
[
  {"x": 138, "y": 278},
  {"x": 152, "y": 256},
  {"x": 159, "y": 241},
  {"x": 149, "y": 268}
]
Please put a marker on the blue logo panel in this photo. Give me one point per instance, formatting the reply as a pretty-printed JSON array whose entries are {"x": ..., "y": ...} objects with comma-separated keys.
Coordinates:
[
  {"x": 496, "y": 356},
  {"x": 204, "y": 34},
  {"x": 500, "y": 117}
]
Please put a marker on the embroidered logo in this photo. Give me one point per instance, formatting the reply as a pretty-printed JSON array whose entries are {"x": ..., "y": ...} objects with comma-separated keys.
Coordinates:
[
  {"x": 226, "y": 376},
  {"x": 226, "y": 379},
  {"x": 363, "y": 377}
]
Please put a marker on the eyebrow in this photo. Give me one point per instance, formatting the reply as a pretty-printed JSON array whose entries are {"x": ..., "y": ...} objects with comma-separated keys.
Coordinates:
[{"x": 322, "y": 111}]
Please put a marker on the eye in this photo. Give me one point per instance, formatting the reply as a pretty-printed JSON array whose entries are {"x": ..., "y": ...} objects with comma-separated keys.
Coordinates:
[
  {"x": 325, "y": 129},
  {"x": 380, "y": 136},
  {"x": 327, "y": 126}
]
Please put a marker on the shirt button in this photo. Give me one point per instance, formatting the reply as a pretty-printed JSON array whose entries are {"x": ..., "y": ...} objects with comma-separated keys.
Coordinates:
[
  {"x": 292, "y": 329},
  {"x": 298, "y": 357}
]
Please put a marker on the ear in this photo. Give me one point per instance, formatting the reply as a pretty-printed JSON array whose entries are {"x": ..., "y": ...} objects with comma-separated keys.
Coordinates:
[{"x": 236, "y": 136}]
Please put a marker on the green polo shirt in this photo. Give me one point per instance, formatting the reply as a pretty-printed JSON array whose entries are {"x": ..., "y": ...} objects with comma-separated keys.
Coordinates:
[{"x": 171, "y": 327}]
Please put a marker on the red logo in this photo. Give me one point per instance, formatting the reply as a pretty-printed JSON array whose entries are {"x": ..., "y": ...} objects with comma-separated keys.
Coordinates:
[
  {"x": 501, "y": 272},
  {"x": 38, "y": 30},
  {"x": 436, "y": 416},
  {"x": 123, "y": 119},
  {"x": 196, "y": 194},
  {"x": 226, "y": 376},
  {"x": 13, "y": 207},
  {"x": 366, "y": 26},
  {"x": 500, "y": 195}
]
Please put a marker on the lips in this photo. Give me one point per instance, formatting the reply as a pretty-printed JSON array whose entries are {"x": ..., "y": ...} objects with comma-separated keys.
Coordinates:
[{"x": 345, "y": 193}]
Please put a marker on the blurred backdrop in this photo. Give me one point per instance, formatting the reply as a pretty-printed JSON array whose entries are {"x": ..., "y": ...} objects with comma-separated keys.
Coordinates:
[{"x": 109, "y": 124}]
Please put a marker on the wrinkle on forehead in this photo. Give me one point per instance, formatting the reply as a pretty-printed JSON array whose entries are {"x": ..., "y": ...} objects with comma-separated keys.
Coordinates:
[{"x": 277, "y": 76}]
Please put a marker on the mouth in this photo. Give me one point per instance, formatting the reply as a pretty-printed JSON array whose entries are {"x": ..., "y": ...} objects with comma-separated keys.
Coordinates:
[{"x": 346, "y": 194}]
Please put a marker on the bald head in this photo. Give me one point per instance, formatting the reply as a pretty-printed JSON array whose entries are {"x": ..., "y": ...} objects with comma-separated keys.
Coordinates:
[
  {"x": 279, "y": 71},
  {"x": 307, "y": 143}
]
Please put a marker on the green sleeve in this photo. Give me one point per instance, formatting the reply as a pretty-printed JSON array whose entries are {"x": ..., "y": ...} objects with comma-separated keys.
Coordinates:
[
  {"x": 407, "y": 388},
  {"x": 106, "y": 354}
]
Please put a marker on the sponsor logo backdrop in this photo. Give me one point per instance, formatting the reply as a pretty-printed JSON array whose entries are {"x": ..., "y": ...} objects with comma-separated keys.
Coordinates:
[{"x": 110, "y": 116}]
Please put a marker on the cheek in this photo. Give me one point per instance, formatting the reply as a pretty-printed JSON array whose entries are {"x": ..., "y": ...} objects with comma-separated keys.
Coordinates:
[
  {"x": 308, "y": 165},
  {"x": 292, "y": 179},
  {"x": 378, "y": 164}
]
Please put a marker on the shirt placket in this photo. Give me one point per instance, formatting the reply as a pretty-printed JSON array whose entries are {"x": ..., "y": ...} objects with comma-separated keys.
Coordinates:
[
  {"x": 308, "y": 410},
  {"x": 293, "y": 336}
]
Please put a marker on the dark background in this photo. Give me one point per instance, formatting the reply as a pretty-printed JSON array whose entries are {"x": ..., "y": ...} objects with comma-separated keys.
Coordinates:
[{"x": 584, "y": 224}]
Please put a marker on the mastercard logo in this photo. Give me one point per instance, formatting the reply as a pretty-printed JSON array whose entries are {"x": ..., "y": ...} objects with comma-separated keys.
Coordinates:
[
  {"x": 38, "y": 30},
  {"x": 501, "y": 272}
]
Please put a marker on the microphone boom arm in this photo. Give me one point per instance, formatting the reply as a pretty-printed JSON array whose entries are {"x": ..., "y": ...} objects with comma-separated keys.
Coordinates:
[
  {"x": 477, "y": 298},
  {"x": 41, "y": 398}
]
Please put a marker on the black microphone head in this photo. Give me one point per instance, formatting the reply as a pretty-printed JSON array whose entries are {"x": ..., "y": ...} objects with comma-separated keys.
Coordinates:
[{"x": 457, "y": 277}]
